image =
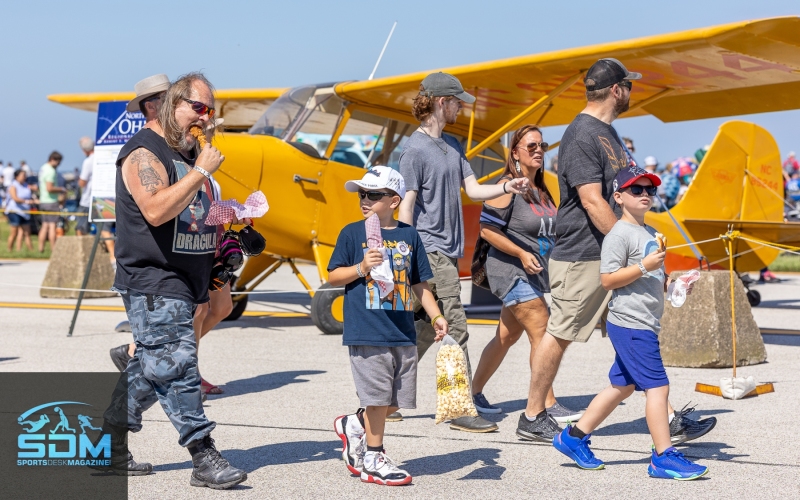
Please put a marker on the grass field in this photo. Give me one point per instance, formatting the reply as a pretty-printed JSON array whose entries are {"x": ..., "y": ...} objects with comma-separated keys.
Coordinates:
[
  {"x": 786, "y": 262},
  {"x": 23, "y": 253}
]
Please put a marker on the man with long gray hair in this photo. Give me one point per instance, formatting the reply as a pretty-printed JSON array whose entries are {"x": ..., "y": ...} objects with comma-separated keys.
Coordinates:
[{"x": 164, "y": 256}]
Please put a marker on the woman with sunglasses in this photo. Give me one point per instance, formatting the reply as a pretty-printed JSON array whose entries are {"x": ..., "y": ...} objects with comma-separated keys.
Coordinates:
[{"x": 521, "y": 232}]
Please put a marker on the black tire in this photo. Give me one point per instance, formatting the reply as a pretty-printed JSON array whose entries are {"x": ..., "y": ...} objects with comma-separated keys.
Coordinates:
[
  {"x": 322, "y": 305},
  {"x": 239, "y": 303},
  {"x": 753, "y": 297}
]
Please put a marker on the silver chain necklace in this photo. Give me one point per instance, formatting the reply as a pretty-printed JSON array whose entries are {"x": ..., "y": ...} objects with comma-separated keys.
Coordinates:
[{"x": 443, "y": 150}]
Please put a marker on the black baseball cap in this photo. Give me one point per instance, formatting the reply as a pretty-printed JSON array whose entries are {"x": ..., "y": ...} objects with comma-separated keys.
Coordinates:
[
  {"x": 445, "y": 85},
  {"x": 629, "y": 175},
  {"x": 606, "y": 72}
]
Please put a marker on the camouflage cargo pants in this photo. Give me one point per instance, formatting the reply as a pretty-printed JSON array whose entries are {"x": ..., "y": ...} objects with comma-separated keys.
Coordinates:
[{"x": 163, "y": 368}]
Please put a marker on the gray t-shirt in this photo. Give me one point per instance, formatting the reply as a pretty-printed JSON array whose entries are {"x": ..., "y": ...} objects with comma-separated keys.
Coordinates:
[
  {"x": 435, "y": 169},
  {"x": 530, "y": 226},
  {"x": 640, "y": 304},
  {"x": 591, "y": 152}
]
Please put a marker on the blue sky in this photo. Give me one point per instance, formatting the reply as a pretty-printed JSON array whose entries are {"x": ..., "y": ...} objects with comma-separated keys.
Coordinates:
[{"x": 86, "y": 46}]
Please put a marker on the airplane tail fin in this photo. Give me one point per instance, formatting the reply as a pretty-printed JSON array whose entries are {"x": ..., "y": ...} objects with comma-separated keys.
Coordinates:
[{"x": 739, "y": 178}]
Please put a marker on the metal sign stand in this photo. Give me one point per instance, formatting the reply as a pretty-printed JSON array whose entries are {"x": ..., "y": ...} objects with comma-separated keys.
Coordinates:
[{"x": 97, "y": 240}]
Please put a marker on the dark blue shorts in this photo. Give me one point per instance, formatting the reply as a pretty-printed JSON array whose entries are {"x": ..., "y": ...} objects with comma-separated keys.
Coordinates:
[
  {"x": 638, "y": 360},
  {"x": 17, "y": 220}
]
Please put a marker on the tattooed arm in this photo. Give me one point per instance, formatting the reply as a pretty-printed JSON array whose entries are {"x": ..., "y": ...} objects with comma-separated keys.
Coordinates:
[{"x": 147, "y": 181}]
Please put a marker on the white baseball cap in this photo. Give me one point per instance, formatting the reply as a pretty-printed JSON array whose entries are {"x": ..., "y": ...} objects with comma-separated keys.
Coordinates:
[
  {"x": 650, "y": 160},
  {"x": 380, "y": 177}
]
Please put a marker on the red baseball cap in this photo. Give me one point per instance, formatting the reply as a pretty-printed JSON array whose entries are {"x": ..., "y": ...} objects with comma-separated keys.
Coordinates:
[{"x": 629, "y": 175}]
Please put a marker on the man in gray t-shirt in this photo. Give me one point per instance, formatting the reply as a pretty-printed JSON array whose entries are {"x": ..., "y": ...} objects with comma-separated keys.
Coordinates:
[
  {"x": 435, "y": 169},
  {"x": 438, "y": 218},
  {"x": 589, "y": 157}
]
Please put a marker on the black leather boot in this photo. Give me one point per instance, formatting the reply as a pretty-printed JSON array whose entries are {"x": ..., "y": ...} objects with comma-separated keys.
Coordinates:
[
  {"x": 122, "y": 462},
  {"x": 210, "y": 469}
]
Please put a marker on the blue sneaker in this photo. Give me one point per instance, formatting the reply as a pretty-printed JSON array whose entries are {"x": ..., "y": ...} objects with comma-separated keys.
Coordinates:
[
  {"x": 673, "y": 465},
  {"x": 578, "y": 450}
]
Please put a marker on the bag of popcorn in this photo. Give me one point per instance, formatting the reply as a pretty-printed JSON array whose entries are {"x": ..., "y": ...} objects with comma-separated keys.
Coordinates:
[{"x": 454, "y": 397}]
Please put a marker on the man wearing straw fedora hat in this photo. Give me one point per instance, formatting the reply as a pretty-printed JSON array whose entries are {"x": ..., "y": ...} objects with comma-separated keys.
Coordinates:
[{"x": 149, "y": 91}]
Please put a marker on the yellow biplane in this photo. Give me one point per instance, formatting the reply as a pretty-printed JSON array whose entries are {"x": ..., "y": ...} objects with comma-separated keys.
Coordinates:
[{"x": 734, "y": 69}]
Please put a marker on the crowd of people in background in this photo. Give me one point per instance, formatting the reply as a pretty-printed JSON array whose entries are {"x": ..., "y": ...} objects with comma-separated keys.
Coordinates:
[
  {"x": 677, "y": 175},
  {"x": 44, "y": 203}
]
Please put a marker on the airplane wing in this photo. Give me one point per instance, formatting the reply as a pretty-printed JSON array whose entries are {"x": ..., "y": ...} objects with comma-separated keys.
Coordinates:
[
  {"x": 784, "y": 233},
  {"x": 240, "y": 107},
  {"x": 734, "y": 69}
]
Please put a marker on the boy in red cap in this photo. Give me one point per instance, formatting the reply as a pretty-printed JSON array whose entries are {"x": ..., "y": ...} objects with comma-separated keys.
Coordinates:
[{"x": 632, "y": 266}]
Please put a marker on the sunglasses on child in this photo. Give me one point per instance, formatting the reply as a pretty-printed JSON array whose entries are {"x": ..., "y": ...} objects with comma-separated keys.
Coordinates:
[
  {"x": 373, "y": 195},
  {"x": 637, "y": 190},
  {"x": 200, "y": 108}
]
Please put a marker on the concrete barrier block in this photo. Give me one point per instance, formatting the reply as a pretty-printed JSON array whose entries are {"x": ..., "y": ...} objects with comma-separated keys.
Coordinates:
[
  {"x": 68, "y": 264},
  {"x": 698, "y": 334}
]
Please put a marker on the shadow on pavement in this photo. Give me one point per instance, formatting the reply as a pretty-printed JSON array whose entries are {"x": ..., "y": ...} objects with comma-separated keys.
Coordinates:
[
  {"x": 426, "y": 415},
  {"x": 779, "y": 304},
  {"x": 261, "y": 383},
  {"x": 790, "y": 340},
  {"x": 709, "y": 450},
  {"x": 638, "y": 426},
  {"x": 435, "y": 465},
  {"x": 272, "y": 454},
  {"x": 572, "y": 402}
]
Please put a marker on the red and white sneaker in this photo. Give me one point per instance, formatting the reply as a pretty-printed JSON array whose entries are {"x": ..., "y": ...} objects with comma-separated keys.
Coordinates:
[
  {"x": 354, "y": 444},
  {"x": 380, "y": 469}
]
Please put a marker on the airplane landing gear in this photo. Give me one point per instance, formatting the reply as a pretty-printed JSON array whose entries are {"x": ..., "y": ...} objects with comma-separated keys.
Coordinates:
[
  {"x": 753, "y": 297},
  {"x": 327, "y": 310},
  {"x": 239, "y": 303}
]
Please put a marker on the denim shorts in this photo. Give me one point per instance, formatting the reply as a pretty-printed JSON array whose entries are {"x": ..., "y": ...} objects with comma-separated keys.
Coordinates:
[
  {"x": 522, "y": 291},
  {"x": 17, "y": 220}
]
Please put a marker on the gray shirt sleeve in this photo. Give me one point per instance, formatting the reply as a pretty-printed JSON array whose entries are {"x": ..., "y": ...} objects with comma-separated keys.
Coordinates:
[
  {"x": 614, "y": 255},
  {"x": 466, "y": 168},
  {"x": 411, "y": 168},
  {"x": 585, "y": 165}
]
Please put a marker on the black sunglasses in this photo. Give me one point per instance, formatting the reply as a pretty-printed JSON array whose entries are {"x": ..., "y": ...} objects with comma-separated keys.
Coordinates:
[
  {"x": 531, "y": 147},
  {"x": 373, "y": 195},
  {"x": 637, "y": 190},
  {"x": 200, "y": 108},
  {"x": 626, "y": 83}
]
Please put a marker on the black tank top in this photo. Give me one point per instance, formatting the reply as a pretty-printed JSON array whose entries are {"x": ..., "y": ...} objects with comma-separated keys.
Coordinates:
[{"x": 175, "y": 258}]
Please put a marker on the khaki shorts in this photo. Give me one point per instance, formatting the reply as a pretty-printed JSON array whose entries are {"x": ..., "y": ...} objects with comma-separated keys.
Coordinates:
[{"x": 578, "y": 299}]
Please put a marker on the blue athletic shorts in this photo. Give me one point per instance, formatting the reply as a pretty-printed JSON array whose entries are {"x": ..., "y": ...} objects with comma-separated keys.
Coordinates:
[
  {"x": 638, "y": 360},
  {"x": 522, "y": 291}
]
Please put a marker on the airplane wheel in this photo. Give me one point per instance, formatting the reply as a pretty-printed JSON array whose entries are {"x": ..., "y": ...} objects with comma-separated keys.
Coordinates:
[
  {"x": 239, "y": 303},
  {"x": 753, "y": 297},
  {"x": 327, "y": 310}
]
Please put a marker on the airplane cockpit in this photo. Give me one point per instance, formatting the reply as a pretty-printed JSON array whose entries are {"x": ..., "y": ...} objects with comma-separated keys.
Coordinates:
[{"x": 319, "y": 123}]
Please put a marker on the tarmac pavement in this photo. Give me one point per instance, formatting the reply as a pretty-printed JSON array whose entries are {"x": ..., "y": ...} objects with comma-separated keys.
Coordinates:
[{"x": 285, "y": 382}]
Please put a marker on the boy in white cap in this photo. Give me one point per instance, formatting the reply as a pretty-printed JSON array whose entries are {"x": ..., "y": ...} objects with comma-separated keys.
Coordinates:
[{"x": 379, "y": 320}]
